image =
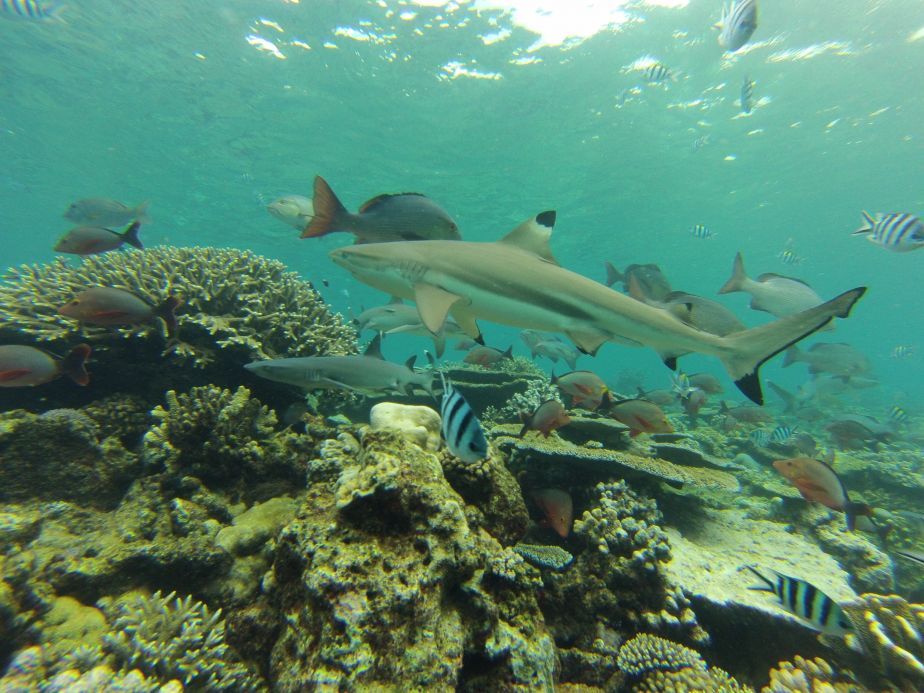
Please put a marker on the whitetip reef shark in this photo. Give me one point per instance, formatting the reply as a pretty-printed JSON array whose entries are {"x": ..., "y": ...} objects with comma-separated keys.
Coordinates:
[{"x": 516, "y": 281}]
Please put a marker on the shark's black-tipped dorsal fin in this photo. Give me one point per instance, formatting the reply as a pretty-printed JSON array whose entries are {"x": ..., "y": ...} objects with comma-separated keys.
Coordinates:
[
  {"x": 374, "y": 348},
  {"x": 533, "y": 236}
]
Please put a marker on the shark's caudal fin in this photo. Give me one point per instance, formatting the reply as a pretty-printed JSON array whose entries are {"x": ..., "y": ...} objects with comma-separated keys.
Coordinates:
[
  {"x": 329, "y": 213},
  {"x": 748, "y": 350}
]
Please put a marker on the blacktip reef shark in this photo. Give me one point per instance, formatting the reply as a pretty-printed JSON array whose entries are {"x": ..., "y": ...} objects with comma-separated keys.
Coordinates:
[
  {"x": 367, "y": 374},
  {"x": 516, "y": 281}
]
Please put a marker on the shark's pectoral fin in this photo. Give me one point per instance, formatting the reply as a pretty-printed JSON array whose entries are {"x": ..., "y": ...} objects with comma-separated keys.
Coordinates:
[
  {"x": 670, "y": 361},
  {"x": 587, "y": 342},
  {"x": 433, "y": 304},
  {"x": 466, "y": 320}
]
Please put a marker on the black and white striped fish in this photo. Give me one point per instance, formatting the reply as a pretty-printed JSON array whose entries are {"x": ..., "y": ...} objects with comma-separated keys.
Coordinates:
[
  {"x": 807, "y": 602},
  {"x": 788, "y": 256},
  {"x": 897, "y": 414},
  {"x": 701, "y": 231},
  {"x": 737, "y": 25},
  {"x": 461, "y": 428},
  {"x": 747, "y": 95},
  {"x": 782, "y": 434},
  {"x": 29, "y": 9},
  {"x": 897, "y": 231},
  {"x": 658, "y": 73},
  {"x": 760, "y": 437}
]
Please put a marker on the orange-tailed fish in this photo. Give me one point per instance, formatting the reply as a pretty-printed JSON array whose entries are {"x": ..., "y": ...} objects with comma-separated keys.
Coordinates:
[
  {"x": 103, "y": 305},
  {"x": 90, "y": 240},
  {"x": 398, "y": 217},
  {"x": 558, "y": 509},
  {"x": 546, "y": 418},
  {"x": 25, "y": 366},
  {"x": 819, "y": 483}
]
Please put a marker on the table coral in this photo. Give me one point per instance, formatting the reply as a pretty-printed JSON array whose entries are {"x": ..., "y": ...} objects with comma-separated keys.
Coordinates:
[
  {"x": 233, "y": 301},
  {"x": 656, "y": 665}
]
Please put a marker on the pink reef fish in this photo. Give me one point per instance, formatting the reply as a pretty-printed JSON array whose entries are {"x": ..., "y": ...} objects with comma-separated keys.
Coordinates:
[
  {"x": 546, "y": 418},
  {"x": 585, "y": 388},
  {"x": 819, "y": 483},
  {"x": 25, "y": 366},
  {"x": 107, "y": 306},
  {"x": 90, "y": 240},
  {"x": 558, "y": 509},
  {"x": 641, "y": 416},
  {"x": 487, "y": 356}
]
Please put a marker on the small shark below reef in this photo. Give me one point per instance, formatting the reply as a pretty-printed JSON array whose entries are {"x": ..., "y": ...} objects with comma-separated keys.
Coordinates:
[{"x": 516, "y": 281}]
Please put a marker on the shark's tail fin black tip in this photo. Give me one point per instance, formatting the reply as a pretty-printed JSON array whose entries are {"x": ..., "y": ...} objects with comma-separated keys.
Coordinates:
[{"x": 750, "y": 387}]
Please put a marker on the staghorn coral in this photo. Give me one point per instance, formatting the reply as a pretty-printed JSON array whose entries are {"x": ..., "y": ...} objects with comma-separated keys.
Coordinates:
[
  {"x": 552, "y": 557},
  {"x": 234, "y": 301},
  {"x": 537, "y": 392},
  {"x": 890, "y": 632},
  {"x": 169, "y": 637},
  {"x": 656, "y": 665},
  {"x": 803, "y": 675},
  {"x": 220, "y": 436}
]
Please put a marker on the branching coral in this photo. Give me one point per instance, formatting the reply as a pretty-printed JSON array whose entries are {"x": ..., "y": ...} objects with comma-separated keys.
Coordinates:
[
  {"x": 232, "y": 300},
  {"x": 657, "y": 665},
  {"x": 538, "y": 391},
  {"x": 169, "y": 637},
  {"x": 808, "y": 676}
]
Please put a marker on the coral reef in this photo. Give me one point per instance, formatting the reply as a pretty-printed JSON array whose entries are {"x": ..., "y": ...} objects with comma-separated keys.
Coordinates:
[
  {"x": 870, "y": 568},
  {"x": 420, "y": 424},
  {"x": 656, "y": 665},
  {"x": 168, "y": 637},
  {"x": 552, "y": 557},
  {"x": 810, "y": 676},
  {"x": 232, "y": 300},
  {"x": 383, "y": 559},
  {"x": 537, "y": 392},
  {"x": 58, "y": 455}
]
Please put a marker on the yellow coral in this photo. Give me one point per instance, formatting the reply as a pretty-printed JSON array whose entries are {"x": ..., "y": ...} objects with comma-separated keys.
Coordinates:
[{"x": 810, "y": 676}]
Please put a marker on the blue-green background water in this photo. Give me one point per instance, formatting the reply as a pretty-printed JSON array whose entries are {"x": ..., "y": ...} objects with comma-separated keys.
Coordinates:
[{"x": 169, "y": 102}]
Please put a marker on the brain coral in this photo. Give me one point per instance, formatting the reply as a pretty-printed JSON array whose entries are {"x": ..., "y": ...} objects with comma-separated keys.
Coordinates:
[{"x": 232, "y": 300}]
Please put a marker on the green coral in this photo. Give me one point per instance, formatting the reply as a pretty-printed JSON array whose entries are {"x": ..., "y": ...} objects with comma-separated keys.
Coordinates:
[
  {"x": 233, "y": 301},
  {"x": 657, "y": 665},
  {"x": 552, "y": 557},
  {"x": 169, "y": 637}
]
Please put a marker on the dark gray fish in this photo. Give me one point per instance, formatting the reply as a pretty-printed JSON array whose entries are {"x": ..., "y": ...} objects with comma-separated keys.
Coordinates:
[
  {"x": 841, "y": 360},
  {"x": 807, "y": 602},
  {"x": 703, "y": 313},
  {"x": 102, "y": 211},
  {"x": 460, "y": 427},
  {"x": 857, "y": 430},
  {"x": 737, "y": 25},
  {"x": 650, "y": 278},
  {"x": 398, "y": 217}
]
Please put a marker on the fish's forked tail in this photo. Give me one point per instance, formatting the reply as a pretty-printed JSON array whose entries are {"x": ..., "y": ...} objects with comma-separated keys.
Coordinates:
[
  {"x": 767, "y": 586},
  {"x": 745, "y": 352},
  {"x": 329, "y": 212},
  {"x": 74, "y": 365},
  {"x": 868, "y": 224},
  {"x": 166, "y": 311},
  {"x": 854, "y": 510},
  {"x": 130, "y": 235},
  {"x": 613, "y": 275},
  {"x": 738, "y": 277}
]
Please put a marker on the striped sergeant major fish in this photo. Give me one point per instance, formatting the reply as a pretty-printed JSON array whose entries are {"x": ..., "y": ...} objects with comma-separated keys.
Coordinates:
[
  {"x": 807, "y": 602},
  {"x": 29, "y": 9},
  {"x": 737, "y": 25},
  {"x": 658, "y": 73},
  {"x": 747, "y": 95},
  {"x": 897, "y": 414},
  {"x": 782, "y": 434},
  {"x": 461, "y": 428},
  {"x": 760, "y": 437},
  {"x": 903, "y": 351},
  {"x": 897, "y": 231},
  {"x": 701, "y": 231}
]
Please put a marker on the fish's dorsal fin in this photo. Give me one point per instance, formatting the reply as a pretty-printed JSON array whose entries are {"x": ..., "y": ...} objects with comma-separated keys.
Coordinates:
[
  {"x": 635, "y": 290},
  {"x": 433, "y": 304},
  {"x": 370, "y": 205},
  {"x": 374, "y": 348},
  {"x": 766, "y": 276},
  {"x": 533, "y": 236}
]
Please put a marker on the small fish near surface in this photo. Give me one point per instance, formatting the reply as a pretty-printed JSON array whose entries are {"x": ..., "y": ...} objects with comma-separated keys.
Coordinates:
[
  {"x": 25, "y": 366},
  {"x": 102, "y": 211},
  {"x": 788, "y": 256},
  {"x": 558, "y": 509},
  {"x": 367, "y": 374},
  {"x": 701, "y": 231},
  {"x": 837, "y": 359},
  {"x": 460, "y": 427},
  {"x": 807, "y": 602},
  {"x": 31, "y": 10},
  {"x": 547, "y": 417},
  {"x": 584, "y": 388},
  {"x": 487, "y": 356},
  {"x": 658, "y": 73},
  {"x": 91, "y": 240},
  {"x": 772, "y": 293},
  {"x": 651, "y": 280},
  {"x": 641, "y": 416},
  {"x": 903, "y": 351},
  {"x": 295, "y": 210},
  {"x": 737, "y": 25},
  {"x": 103, "y": 305},
  {"x": 817, "y": 482},
  {"x": 898, "y": 231},
  {"x": 747, "y": 96},
  {"x": 397, "y": 217}
]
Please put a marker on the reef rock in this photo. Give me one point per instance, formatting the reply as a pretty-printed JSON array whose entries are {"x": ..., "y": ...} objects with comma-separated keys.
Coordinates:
[
  {"x": 388, "y": 587},
  {"x": 421, "y": 425}
]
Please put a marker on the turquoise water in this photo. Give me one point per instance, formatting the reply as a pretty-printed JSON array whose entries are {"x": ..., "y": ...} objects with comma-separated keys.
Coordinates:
[{"x": 170, "y": 103}]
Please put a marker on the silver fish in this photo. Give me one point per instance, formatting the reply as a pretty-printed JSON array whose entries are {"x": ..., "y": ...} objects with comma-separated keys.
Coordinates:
[
  {"x": 737, "y": 25},
  {"x": 294, "y": 210},
  {"x": 102, "y": 211},
  {"x": 401, "y": 318},
  {"x": 772, "y": 293}
]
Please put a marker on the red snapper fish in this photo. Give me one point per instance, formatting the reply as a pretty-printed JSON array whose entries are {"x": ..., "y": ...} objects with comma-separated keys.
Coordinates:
[
  {"x": 90, "y": 240},
  {"x": 819, "y": 483},
  {"x": 25, "y": 366},
  {"x": 640, "y": 416},
  {"x": 104, "y": 305},
  {"x": 547, "y": 417}
]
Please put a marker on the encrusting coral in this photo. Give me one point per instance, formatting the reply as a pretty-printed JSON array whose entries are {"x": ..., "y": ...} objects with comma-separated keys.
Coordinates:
[
  {"x": 233, "y": 301},
  {"x": 656, "y": 665}
]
